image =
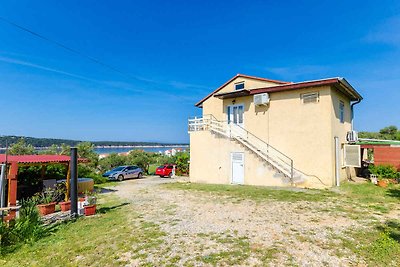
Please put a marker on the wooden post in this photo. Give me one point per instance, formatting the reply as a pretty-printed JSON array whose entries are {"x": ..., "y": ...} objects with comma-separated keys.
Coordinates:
[
  {"x": 12, "y": 187},
  {"x": 43, "y": 171},
  {"x": 68, "y": 183}
]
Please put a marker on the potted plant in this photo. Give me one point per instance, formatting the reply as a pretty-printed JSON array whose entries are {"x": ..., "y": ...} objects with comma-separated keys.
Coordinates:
[
  {"x": 90, "y": 206},
  {"x": 383, "y": 183},
  {"x": 65, "y": 205},
  {"x": 61, "y": 190},
  {"x": 46, "y": 201}
]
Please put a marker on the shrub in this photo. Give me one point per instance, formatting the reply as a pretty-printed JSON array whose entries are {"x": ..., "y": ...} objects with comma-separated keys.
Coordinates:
[
  {"x": 182, "y": 163},
  {"x": 384, "y": 171},
  {"x": 97, "y": 178},
  {"x": 47, "y": 196},
  {"x": 28, "y": 227}
]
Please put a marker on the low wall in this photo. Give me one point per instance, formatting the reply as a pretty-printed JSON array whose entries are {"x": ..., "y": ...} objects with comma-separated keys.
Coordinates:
[{"x": 387, "y": 155}]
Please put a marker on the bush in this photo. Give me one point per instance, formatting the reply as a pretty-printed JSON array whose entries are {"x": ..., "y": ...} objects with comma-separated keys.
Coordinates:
[
  {"x": 97, "y": 178},
  {"x": 182, "y": 163},
  {"x": 111, "y": 161},
  {"x": 27, "y": 228},
  {"x": 384, "y": 171}
]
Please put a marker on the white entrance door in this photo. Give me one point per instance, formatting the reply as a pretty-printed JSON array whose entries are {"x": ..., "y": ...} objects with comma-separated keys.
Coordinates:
[
  {"x": 237, "y": 162},
  {"x": 235, "y": 114}
]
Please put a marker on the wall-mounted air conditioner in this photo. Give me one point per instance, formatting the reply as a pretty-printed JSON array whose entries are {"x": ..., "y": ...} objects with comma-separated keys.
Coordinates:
[
  {"x": 352, "y": 137},
  {"x": 261, "y": 99}
]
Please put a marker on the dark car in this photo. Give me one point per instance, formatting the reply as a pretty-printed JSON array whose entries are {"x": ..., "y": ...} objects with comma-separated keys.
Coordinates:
[
  {"x": 165, "y": 170},
  {"x": 122, "y": 172}
]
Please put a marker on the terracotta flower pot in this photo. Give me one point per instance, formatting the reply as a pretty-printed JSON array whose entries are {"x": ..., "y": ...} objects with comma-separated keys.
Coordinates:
[
  {"x": 65, "y": 206},
  {"x": 382, "y": 183},
  {"x": 90, "y": 210},
  {"x": 45, "y": 209}
]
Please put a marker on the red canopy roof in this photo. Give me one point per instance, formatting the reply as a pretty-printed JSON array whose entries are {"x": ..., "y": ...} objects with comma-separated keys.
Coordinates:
[{"x": 38, "y": 159}]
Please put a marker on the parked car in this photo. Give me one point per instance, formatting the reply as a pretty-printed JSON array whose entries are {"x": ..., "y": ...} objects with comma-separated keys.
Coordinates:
[
  {"x": 123, "y": 172},
  {"x": 165, "y": 170}
]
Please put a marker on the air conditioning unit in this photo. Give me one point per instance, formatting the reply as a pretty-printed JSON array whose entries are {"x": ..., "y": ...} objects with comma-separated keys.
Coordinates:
[
  {"x": 352, "y": 137},
  {"x": 261, "y": 99}
]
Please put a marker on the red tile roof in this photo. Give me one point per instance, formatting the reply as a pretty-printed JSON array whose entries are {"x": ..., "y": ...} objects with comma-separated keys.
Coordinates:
[
  {"x": 234, "y": 77},
  {"x": 26, "y": 159},
  {"x": 339, "y": 83}
]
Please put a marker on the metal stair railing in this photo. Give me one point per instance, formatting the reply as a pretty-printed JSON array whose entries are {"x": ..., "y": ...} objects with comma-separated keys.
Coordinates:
[
  {"x": 276, "y": 158},
  {"x": 279, "y": 160}
]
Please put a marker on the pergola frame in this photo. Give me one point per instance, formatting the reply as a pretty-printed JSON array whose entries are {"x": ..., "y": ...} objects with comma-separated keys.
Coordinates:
[{"x": 16, "y": 161}]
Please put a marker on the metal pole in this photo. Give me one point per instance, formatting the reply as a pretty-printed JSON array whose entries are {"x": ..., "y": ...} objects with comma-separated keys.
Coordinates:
[
  {"x": 337, "y": 166},
  {"x": 74, "y": 182},
  {"x": 291, "y": 171},
  {"x": 2, "y": 187}
]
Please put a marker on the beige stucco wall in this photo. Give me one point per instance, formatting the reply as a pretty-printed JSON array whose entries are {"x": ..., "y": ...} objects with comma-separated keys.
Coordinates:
[
  {"x": 213, "y": 105},
  {"x": 304, "y": 132},
  {"x": 340, "y": 129},
  {"x": 210, "y": 162}
]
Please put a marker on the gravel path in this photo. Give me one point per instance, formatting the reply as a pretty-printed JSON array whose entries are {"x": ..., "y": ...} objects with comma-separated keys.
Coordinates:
[{"x": 203, "y": 229}]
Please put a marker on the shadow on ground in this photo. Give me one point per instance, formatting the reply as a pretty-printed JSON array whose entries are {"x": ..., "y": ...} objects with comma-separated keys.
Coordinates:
[
  {"x": 392, "y": 228},
  {"x": 103, "y": 210},
  {"x": 103, "y": 190},
  {"x": 393, "y": 193}
]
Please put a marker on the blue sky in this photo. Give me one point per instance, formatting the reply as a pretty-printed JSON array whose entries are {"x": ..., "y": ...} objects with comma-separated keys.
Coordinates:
[{"x": 176, "y": 53}]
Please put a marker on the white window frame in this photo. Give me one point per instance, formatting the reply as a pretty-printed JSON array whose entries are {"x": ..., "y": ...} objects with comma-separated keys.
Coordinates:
[
  {"x": 344, "y": 162},
  {"x": 231, "y": 109},
  {"x": 341, "y": 111},
  {"x": 238, "y": 84}
]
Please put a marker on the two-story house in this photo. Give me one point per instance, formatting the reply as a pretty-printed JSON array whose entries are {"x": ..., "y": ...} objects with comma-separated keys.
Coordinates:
[{"x": 265, "y": 132}]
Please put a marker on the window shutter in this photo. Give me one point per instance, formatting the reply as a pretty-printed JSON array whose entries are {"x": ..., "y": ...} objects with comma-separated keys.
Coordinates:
[
  {"x": 352, "y": 156},
  {"x": 310, "y": 97}
]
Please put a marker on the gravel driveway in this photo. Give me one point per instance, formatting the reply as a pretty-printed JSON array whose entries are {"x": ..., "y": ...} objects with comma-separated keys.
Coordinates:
[{"x": 204, "y": 229}]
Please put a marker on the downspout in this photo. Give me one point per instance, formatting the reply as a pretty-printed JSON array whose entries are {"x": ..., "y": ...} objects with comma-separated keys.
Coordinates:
[
  {"x": 337, "y": 163},
  {"x": 352, "y": 112}
]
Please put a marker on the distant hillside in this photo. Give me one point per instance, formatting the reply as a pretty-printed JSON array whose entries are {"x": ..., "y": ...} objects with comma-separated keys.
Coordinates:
[{"x": 46, "y": 142}]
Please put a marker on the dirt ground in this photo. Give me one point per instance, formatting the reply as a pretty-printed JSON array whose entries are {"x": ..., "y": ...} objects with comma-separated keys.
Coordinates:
[{"x": 202, "y": 229}]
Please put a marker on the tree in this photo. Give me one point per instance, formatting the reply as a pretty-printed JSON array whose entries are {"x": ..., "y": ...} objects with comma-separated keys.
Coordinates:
[
  {"x": 140, "y": 158},
  {"x": 390, "y": 130},
  {"x": 65, "y": 149},
  {"x": 21, "y": 148},
  {"x": 86, "y": 150},
  {"x": 111, "y": 161},
  {"x": 52, "y": 150}
]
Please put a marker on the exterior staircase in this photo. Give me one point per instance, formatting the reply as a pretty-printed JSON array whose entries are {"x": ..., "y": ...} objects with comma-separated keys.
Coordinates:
[{"x": 275, "y": 158}]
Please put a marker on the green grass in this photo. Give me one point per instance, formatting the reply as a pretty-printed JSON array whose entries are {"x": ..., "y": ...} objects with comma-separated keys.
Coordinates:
[
  {"x": 378, "y": 246},
  {"x": 367, "y": 193},
  {"x": 256, "y": 192},
  {"x": 118, "y": 234},
  {"x": 106, "y": 184},
  {"x": 100, "y": 240},
  {"x": 370, "y": 193}
]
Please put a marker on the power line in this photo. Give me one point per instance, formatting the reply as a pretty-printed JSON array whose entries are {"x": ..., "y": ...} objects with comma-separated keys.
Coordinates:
[{"x": 69, "y": 49}]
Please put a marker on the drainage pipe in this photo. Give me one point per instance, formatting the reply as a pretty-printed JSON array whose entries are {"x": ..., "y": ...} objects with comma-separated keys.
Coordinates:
[
  {"x": 352, "y": 113},
  {"x": 337, "y": 163}
]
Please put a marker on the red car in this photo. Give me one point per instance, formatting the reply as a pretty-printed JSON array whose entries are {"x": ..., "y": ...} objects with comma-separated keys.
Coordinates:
[{"x": 165, "y": 170}]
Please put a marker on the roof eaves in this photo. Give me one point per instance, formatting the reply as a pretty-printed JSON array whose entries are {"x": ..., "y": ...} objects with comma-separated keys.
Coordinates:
[{"x": 199, "y": 104}]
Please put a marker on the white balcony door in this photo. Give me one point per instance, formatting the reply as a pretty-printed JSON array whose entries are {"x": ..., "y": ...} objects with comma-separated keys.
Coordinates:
[
  {"x": 237, "y": 162},
  {"x": 235, "y": 114}
]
